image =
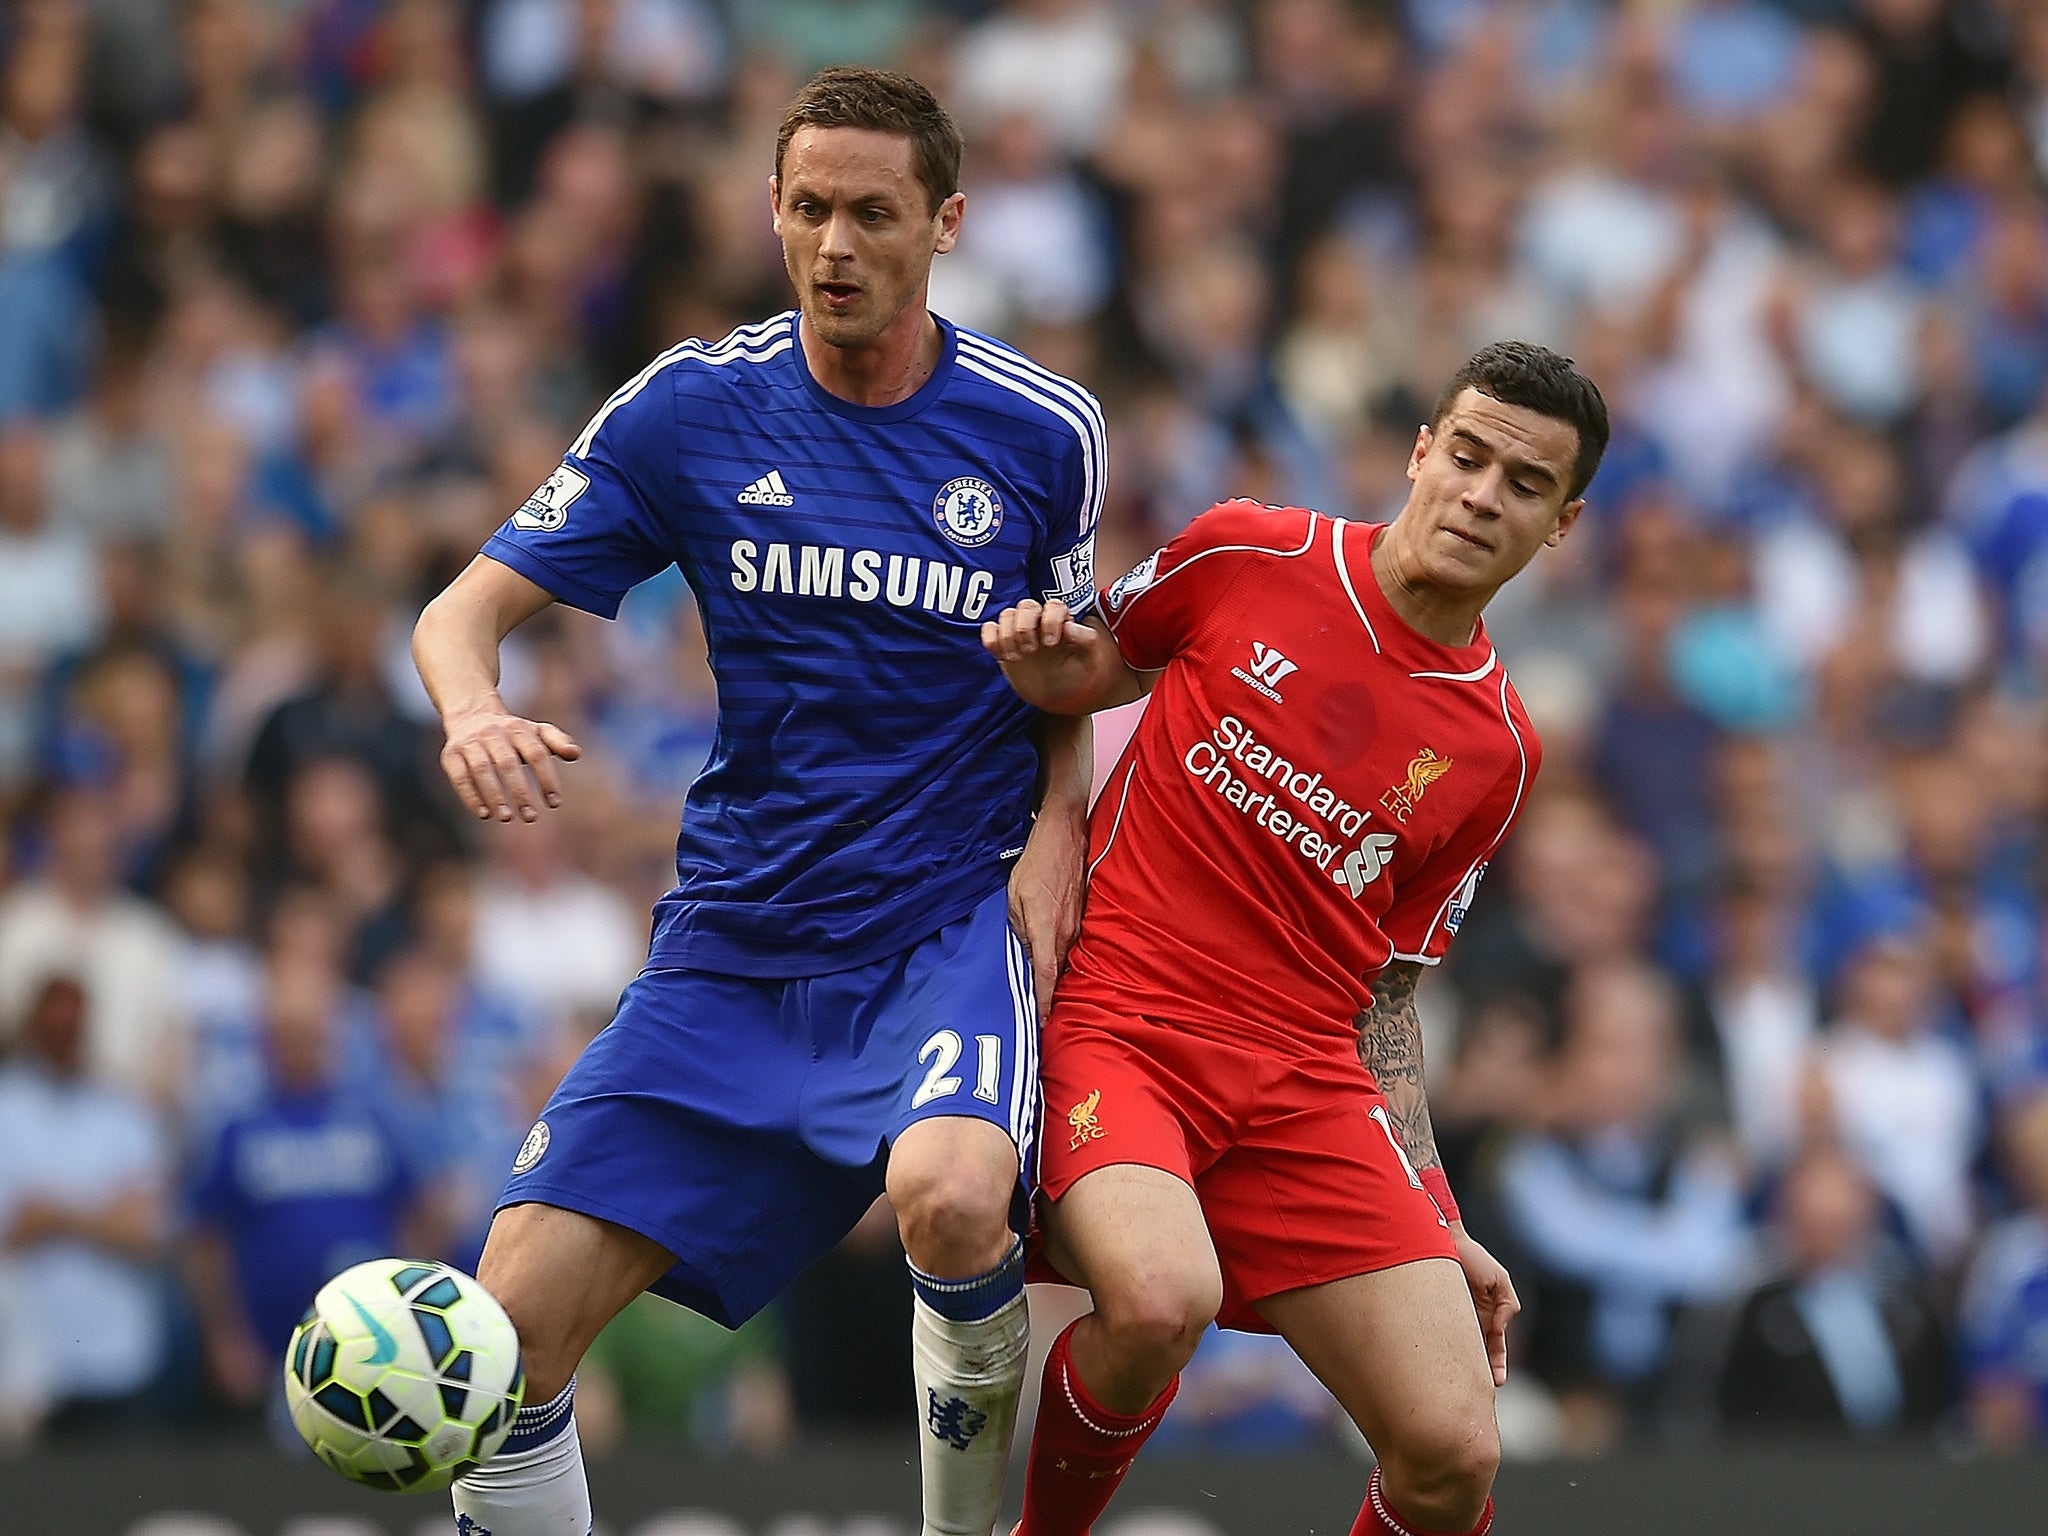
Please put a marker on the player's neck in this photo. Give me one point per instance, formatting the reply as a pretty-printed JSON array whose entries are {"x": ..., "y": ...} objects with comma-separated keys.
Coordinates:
[
  {"x": 1448, "y": 618},
  {"x": 891, "y": 368}
]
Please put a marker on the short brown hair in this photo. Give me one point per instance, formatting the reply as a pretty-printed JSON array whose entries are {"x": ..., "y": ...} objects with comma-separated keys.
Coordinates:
[
  {"x": 1537, "y": 379},
  {"x": 854, "y": 96}
]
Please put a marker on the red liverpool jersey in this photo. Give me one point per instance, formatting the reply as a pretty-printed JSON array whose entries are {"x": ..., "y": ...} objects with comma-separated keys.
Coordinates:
[{"x": 1313, "y": 791}]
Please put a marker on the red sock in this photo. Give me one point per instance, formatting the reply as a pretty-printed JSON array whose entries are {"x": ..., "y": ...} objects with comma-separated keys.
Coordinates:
[
  {"x": 1080, "y": 1450},
  {"x": 1376, "y": 1519}
]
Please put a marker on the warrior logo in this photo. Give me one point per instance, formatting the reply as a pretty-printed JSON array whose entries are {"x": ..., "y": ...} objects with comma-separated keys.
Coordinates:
[{"x": 1267, "y": 669}]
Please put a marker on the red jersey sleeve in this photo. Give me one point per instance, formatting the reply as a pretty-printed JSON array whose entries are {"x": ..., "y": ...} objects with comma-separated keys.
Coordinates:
[
  {"x": 1163, "y": 604},
  {"x": 1430, "y": 904}
]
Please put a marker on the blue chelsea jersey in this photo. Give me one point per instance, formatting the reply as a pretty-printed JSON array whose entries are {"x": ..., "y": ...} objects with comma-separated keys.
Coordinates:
[{"x": 872, "y": 772}]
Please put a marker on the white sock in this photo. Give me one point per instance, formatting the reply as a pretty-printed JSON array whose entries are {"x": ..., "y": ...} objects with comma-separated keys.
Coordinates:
[
  {"x": 970, "y": 1373},
  {"x": 534, "y": 1486}
]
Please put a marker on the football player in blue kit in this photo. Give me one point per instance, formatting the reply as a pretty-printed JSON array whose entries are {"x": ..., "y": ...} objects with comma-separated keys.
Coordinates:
[{"x": 840, "y": 990}]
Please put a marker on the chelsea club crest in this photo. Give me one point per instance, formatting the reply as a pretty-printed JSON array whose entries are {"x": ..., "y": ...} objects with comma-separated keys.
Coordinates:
[{"x": 968, "y": 511}]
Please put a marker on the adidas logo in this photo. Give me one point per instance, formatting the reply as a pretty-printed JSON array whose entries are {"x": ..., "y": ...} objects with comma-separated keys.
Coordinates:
[{"x": 768, "y": 491}]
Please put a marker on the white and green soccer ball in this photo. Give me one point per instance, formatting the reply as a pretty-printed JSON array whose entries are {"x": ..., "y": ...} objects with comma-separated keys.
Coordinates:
[{"x": 403, "y": 1374}]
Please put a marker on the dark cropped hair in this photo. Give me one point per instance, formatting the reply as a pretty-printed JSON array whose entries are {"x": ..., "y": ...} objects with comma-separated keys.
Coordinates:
[
  {"x": 1537, "y": 379},
  {"x": 854, "y": 96}
]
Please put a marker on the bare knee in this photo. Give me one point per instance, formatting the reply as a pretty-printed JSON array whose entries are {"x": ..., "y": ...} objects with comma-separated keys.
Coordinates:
[
  {"x": 954, "y": 1210},
  {"x": 1151, "y": 1319},
  {"x": 1438, "y": 1472}
]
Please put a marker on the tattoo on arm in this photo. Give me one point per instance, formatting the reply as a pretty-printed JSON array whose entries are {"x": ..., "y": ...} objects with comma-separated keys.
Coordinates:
[{"x": 1390, "y": 1046}]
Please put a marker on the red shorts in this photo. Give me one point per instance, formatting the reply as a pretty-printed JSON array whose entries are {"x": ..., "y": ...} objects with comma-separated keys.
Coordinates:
[{"x": 1293, "y": 1161}]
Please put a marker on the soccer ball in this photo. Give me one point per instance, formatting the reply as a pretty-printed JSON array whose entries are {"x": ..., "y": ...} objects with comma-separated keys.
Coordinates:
[{"x": 403, "y": 1374}]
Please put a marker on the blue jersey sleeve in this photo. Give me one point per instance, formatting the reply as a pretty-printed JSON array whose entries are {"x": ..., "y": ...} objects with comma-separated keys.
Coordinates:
[
  {"x": 595, "y": 530},
  {"x": 1063, "y": 565}
]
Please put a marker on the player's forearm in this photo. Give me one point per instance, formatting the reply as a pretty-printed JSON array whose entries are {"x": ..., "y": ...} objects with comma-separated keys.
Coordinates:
[
  {"x": 1390, "y": 1045},
  {"x": 1066, "y": 764},
  {"x": 455, "y": 647},
  {"x": 455, "y": 643},
  {"x": 1064, "y": 685}
]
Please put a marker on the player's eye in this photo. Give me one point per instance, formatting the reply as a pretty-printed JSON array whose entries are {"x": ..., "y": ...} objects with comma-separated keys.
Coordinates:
[
  {"x": 1523, "y": 488},
  {"x": 872, "y": 215},
  {"x": 1464, "y": 461}
]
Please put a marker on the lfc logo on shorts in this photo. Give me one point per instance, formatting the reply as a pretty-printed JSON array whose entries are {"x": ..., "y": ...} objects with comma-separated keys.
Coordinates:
[
  {"x": 1424, "y": 770},
  {"x": 1082, "y": 1118}
]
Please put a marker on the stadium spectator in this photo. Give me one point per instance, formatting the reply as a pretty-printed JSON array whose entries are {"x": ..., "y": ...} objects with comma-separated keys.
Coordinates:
[
  {"x": 1064, "y": 61},
  {"x": 1852, "y": 318},
  {"x": 1653, "y": 749},
  {"x": 1036, "y": 251},
  {"x": 1845, "y": 1339},
  {"x": 1580, "y": 892},
  {"x": 1765, "y": 1014},
  {"x": 84, "y": 1175},
  {"x": 1625, "y": 1213},
  {"x": 1488, "y": 1100},
  {"x": 74, "y": 918},
  {"x": 109, "y": 463},
  {"x": 347, "y": 711},
  {"x": 1731, "y": 59},
  {"x": 310, "y": 1178},
  {"x": 132, "y": 583},
  {"x": 548, "y": 934},
  {"x": 2005, "y": 1301},
  {"x": 450, "y": 1060},
  {"x": 1901, "y": 1094},
  {"x": 49, "y": 591},
  {"x": 218, "y": 981},
  {"x": 810, "y": 34},
  {"x": 1856, "y": 572},
  {"x": 336, "y": 842},
  {"x": 51, "y": 198},
  {"x": 124, "y": 730}
]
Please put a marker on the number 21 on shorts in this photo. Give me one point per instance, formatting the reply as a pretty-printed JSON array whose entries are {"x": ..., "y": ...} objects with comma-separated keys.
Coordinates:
[{"x": 942, "y": 1052}]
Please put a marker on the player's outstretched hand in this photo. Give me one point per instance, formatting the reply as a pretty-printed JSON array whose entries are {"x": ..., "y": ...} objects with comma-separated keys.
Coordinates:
[
  {"x": 1045, "y": 652},
  {"x": 496, "y": 761},
  {"x": 1493, "y": 1297}
]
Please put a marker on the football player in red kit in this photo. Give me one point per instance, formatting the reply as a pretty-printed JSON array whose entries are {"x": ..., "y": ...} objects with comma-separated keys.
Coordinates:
[{"x": 1236, "y": 1125}]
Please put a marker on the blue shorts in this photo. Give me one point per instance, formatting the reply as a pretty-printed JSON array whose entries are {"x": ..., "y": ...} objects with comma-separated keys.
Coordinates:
[{"x": 744, "y": 1122}]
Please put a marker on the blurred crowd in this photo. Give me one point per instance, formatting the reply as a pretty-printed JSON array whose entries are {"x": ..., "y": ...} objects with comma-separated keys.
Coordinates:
[{"x": 1741, "y": 1062}]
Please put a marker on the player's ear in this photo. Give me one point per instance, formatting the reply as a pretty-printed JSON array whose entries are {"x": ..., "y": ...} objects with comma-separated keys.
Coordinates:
[
  {"x": 949, "y": 215},
  {"x": 775, "y": 201},
  {"x": 1565, "y": 519},
  {"x": 1423, "y": 438}
]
